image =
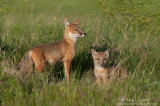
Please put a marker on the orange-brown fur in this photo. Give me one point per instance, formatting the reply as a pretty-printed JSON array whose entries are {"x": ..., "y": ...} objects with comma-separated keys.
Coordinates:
[
  {"x": 106, "y": 74},
  {"x": 59, "y": 51}
]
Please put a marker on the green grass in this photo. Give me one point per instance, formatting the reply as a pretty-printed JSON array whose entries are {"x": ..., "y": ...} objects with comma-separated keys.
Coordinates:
[{"x": 41, "y": 22}]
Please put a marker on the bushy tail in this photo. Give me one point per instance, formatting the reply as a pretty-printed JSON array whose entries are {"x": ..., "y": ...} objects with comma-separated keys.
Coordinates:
[
  {"x": 26, "y": 63},
  {"x": 25, "y": 67}
]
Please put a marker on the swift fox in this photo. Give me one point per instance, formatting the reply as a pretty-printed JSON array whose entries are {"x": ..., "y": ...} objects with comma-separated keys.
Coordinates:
[
  {"x": 54, "y": 52},
  {"x": 102, "y": 73}
]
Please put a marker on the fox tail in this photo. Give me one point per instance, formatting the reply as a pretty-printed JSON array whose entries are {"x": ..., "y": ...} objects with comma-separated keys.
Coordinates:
[{"x": 26, "y": 63}]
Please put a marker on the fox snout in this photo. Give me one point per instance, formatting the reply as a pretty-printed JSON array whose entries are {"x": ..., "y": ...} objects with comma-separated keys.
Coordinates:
[
  {"x": 83, "y": 34},
  {"x": 100, "y": 63},
  {"x": 80, "y": 32}
]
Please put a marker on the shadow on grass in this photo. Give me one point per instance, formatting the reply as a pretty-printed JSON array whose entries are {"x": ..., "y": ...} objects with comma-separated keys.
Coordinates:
[
  {"x": 5, "y": 48},
  {"x": 55, "y": 72},
  {"x": 82, "y": 63}
]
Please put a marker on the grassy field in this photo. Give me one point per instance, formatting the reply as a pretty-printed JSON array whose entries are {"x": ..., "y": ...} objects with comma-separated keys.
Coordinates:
[{"x": 39, "y": 22}]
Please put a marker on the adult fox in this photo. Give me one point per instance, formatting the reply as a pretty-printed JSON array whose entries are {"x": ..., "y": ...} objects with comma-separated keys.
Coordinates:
[{"x": 54, "y": 52}]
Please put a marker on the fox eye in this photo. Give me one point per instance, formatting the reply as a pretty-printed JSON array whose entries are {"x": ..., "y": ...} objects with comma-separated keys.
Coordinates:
[
  {"x": 97, "y": 58},
  {"x": 104, "y": 59},
  {"x": 76, "y": 29}
]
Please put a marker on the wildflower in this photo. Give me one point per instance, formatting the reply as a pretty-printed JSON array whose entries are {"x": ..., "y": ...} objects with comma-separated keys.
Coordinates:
[{"x": 27, "y": 1}]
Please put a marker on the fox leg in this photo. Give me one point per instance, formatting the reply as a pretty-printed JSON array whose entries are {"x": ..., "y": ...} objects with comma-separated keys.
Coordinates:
[
  {"x": 38, "y": 60},
  {"x": 99, "y": 82},
  {"x": 105, "y": 80},
  {"x": 67, "y": 65}
]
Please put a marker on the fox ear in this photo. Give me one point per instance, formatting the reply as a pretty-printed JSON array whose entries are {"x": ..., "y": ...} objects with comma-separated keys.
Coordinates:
[
  {"x": 93, "y": 52},
  {"x": 66, "y": 22},
  {"x": 107, "y": 52},
  {"x": 77, "y": 21}
]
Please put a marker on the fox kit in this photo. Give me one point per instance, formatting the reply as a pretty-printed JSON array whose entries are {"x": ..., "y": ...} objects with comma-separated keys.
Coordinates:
[
  {"x": 54, "y": 52},
  {"x": 102, "y": 73}
]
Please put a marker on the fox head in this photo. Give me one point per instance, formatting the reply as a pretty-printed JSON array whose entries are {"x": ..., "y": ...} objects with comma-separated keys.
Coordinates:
[
  {"x": 73, "y": 31},
  {"x": 100, "y": 58}
]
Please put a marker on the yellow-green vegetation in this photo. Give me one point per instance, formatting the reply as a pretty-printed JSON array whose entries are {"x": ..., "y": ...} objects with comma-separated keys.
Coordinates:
[
  {"x": 6, "y": 7},
  {"x": 132, "y": 26}
]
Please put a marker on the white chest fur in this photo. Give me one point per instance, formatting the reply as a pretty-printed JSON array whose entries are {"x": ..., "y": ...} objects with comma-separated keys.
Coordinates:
[
  {"x": 50, "y": 61},
  {"x": 100, "y": 72},
  {"x": 73, "y": 36},
  {"x": 98, "y": 68}
]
